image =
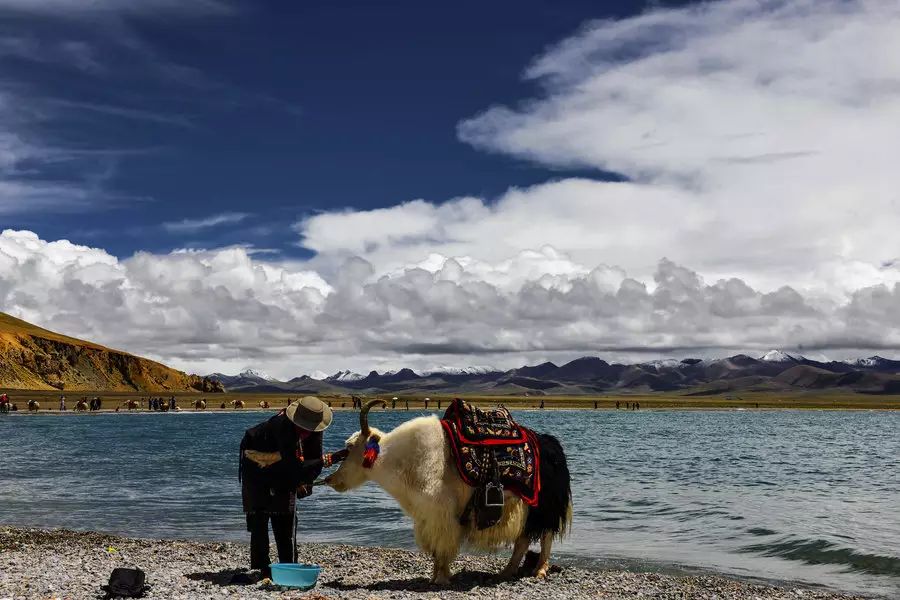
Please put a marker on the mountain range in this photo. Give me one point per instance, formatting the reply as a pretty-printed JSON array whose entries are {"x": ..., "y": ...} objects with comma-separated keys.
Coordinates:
[
  {"x": 774, "y": 371},
  {"x": 38, "y": 359},
  {"x": 32, "y": 358}
]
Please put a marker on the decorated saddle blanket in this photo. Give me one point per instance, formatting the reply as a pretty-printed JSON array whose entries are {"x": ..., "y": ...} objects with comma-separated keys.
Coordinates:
[{"x": 485, "y": 442}]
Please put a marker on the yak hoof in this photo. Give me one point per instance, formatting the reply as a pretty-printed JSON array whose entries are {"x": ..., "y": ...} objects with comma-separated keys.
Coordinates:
[{"x": 541, "y": 573}]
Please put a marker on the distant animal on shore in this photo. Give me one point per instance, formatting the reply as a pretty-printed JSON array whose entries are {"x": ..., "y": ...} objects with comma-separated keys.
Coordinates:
[
  {"x": 81, "y": 405},
  {"x": 414, "y": 464},
  {"x": 200, "y": 404},
  {"x": 131, "y": 404},
  {"x": 34, "y": 406},
  {"x": 237, "y": 404},
  {"x": 264, "y": 404}
]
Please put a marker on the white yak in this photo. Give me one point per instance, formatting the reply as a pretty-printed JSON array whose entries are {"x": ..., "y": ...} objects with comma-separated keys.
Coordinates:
[{"x": 416, "y": 467}]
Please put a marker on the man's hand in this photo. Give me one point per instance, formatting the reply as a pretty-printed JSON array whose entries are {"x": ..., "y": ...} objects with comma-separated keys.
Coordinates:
[{"x": 304, "y": 490}]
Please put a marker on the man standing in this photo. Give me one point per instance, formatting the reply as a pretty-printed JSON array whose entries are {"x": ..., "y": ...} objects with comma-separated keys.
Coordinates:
[{"x": 280, "y": 458}]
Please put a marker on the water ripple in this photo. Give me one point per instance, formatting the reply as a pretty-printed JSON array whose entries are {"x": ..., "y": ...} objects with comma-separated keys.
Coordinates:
[{"x": 788, "y": 495}]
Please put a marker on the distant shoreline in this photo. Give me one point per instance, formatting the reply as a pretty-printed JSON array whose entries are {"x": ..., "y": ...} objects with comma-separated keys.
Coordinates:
[{"x": 49, "y": 402}]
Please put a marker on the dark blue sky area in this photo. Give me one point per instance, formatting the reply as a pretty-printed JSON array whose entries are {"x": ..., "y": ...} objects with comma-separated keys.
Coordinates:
[{"x": 277, "y": 110}]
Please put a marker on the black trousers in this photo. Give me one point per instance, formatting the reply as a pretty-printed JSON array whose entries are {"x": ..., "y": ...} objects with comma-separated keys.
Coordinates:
[{"x": 282, "y": 528}]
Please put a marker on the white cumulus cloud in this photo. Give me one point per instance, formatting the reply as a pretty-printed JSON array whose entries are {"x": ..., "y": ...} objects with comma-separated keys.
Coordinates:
[
  {"x": 760, "y": 206},
  {"x": 758, "y": 140},
  {"x": 217, "y": 310}
]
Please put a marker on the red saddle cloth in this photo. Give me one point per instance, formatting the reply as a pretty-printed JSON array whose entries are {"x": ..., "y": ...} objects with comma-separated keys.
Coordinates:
[{"x": 481, "y": 438}]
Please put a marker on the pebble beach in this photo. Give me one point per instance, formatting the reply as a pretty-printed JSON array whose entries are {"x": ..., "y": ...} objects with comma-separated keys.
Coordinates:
[{"x": 62, "y": 564}]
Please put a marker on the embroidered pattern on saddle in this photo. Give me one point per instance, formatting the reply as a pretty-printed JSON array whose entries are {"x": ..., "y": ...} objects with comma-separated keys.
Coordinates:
[{"x": 481, "y": 438}]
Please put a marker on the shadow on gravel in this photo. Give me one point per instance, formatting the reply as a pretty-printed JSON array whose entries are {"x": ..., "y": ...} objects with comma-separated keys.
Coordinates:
[
  {"x": 221, "y": 578},
  {"x": 461, "y": 582}
]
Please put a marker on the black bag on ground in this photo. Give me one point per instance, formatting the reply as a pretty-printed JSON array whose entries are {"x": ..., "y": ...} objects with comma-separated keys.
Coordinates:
[{"x": 126, "y": 583}]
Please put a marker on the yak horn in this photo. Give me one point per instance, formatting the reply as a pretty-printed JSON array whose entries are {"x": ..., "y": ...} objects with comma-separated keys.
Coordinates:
[{"x": 364, "y": 415}]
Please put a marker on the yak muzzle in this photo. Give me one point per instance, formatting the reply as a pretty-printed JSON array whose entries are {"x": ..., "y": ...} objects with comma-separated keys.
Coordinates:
[{"x": 332, "y": 482}]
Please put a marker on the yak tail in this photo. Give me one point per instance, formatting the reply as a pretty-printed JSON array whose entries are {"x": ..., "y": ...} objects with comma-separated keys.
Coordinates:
[
  {"x": 566, "y": 526},
  {"x": 554, "y": 510}
]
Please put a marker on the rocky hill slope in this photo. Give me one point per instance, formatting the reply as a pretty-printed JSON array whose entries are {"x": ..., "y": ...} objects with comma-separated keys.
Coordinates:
[{"x": 32, "y": 358}]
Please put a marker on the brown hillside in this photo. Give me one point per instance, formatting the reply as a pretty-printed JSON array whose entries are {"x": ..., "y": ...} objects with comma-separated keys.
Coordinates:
[
  {"x": 32, "y": 358},
  {"x": 808, "y": 377}
]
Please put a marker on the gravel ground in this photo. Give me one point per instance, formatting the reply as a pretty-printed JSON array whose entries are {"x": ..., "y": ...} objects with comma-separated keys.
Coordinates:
[{"x": 72, "y": 565}]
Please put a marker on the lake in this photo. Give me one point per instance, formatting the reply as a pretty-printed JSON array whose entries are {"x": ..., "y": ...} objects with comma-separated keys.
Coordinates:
[{"x": 802, "y": 496}]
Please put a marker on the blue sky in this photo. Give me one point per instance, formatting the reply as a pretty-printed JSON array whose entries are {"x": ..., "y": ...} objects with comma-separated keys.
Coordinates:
[
  {"x": 269, "y": 111},
  {"x": 307, "y": 187}
]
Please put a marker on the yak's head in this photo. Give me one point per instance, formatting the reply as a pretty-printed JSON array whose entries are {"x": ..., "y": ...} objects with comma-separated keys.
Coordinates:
[{"x": 354, "y": 471}]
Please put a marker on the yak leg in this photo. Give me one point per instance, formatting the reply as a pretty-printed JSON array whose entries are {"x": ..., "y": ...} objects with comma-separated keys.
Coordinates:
[
  {"x": 442, "y": 544},
  {"x": 441, "y": 572},
  {"x": 445, "y": 550},
  {"x": 543, "y": 564},
  {"x": 515, "y": 561}
]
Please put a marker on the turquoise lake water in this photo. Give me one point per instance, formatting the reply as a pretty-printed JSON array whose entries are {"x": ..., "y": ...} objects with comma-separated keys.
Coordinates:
[{"x": 802, "y": 496}]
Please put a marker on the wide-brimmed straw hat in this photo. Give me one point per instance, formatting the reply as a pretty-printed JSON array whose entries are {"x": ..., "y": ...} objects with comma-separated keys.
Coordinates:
[{"x": 309, "y": 413}]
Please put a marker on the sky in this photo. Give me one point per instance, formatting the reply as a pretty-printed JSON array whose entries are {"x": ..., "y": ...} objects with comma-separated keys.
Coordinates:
[{"x": 306, "y": 187}]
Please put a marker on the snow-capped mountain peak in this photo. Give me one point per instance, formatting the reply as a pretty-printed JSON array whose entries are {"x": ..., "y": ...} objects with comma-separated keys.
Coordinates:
[
  {"x": 347, "y": 375},
  {"x": 779, "y": 356},
  {"x": 445, "y": 370},
  {"x": 256, "y": 374},
  {"x": 318, "y": 375},
  {"x": 872, "y": 361},
  {"x": 663, "y": 363}
]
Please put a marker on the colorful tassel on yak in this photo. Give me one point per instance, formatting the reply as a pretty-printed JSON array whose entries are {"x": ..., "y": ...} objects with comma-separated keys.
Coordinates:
[{"x": 370, "y": 454}]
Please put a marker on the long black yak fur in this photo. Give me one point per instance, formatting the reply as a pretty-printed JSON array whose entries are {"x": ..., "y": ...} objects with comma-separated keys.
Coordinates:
[{"x": 553, "y": 511}]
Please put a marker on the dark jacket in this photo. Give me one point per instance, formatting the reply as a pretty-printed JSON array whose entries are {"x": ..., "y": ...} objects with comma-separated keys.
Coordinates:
[{"x": 271, "y": 489}]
